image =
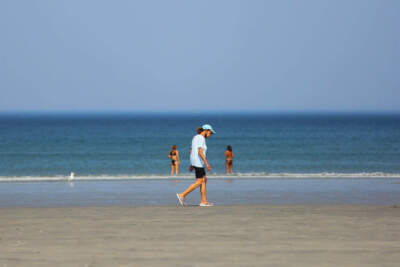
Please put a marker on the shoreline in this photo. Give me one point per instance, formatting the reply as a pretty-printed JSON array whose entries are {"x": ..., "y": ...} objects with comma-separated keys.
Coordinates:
[
  {"x": 226, "y": 192},
  {"x": 289, "y": 176},
  {"x": 239, "y": 235}
]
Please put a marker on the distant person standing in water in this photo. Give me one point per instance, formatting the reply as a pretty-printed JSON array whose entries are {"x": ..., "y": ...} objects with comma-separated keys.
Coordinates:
[
  {"x": 229, "y": 159},
  {"x": 174, "y": 156},
  {"x": 197, "y": 159}
]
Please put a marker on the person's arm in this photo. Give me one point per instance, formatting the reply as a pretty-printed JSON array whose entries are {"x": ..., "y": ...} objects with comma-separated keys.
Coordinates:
[
  {"x": 190, "y": 167},
  {"x": 233, "y": 155},
  {"x": 177, "y": 157},
  {"x": 203, "y": 157}
]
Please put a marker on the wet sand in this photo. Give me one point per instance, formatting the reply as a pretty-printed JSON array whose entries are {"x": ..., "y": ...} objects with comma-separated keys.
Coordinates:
[{"x": 248, "y": 235}]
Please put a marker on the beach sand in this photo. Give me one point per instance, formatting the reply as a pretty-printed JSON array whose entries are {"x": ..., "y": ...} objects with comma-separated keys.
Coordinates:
[{"x": 250, "y": 235}]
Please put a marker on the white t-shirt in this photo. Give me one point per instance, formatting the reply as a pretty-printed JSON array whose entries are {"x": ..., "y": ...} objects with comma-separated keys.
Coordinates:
[{"x": 198, "y": 141}]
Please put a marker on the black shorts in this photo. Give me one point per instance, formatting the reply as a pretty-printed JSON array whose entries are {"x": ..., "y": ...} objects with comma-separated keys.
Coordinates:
[{"x": 200, "y": 172}]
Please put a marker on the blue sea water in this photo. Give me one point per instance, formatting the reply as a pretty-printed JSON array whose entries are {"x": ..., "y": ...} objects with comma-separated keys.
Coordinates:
[{"x": 129, "y": 146}]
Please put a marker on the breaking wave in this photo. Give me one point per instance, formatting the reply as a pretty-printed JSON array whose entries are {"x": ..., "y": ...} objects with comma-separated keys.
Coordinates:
[{"x": 261, "y": 175}]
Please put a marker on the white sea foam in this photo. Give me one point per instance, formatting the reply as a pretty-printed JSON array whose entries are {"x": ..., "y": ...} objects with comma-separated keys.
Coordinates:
[{"x": 260, "y": 175}]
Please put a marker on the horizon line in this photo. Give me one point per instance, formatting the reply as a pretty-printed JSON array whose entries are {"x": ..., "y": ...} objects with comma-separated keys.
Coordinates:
[{"x": 195, "y": 111}]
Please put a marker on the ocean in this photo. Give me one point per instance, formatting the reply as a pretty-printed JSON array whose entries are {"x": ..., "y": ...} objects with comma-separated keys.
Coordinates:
[
  {"x": 129, "y": 146},
  {"x": 122, "y": 158}
]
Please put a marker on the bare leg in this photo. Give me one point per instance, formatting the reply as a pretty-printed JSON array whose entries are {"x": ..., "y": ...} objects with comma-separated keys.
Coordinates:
[
  {"x": 203, "y": 191},
  {"x": 176, "y": 168},
  {"x": 172, "y": 169},
  {"x": 191, "y": 188},
  {"x": 227, "y": 167}
]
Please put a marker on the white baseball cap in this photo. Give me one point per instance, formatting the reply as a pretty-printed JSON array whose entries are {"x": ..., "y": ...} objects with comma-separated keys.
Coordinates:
[{"x": 208, "y": 127}]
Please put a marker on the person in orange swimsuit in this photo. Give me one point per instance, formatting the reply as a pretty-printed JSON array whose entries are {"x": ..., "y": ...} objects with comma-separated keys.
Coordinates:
[{"x": 229, "y": 159}]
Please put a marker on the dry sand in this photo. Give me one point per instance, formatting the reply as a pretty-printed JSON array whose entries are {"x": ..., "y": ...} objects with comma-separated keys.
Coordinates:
[{"x": 253, "y": 235}]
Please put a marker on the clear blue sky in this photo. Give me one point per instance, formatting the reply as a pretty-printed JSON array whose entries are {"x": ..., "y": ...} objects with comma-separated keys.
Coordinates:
[{"x": 199, "y": 55}]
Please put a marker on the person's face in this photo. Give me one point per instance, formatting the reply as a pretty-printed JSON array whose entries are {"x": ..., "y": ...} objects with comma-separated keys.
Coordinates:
[{"x": 208, "y": 134}]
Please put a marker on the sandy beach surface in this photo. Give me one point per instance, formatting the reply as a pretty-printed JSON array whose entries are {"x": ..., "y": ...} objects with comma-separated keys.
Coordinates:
[{"x": 248, "y": 235}]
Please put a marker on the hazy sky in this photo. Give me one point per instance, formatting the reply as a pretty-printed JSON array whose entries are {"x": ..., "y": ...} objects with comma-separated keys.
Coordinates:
[{"x": 200, "y": 55}]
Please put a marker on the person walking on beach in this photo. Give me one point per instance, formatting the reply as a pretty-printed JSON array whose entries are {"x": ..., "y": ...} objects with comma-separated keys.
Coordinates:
[
  {"x": 229, "y": 159},
  {"x": 198, "y": 160},
  {"x": 174, "y": 156}
]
